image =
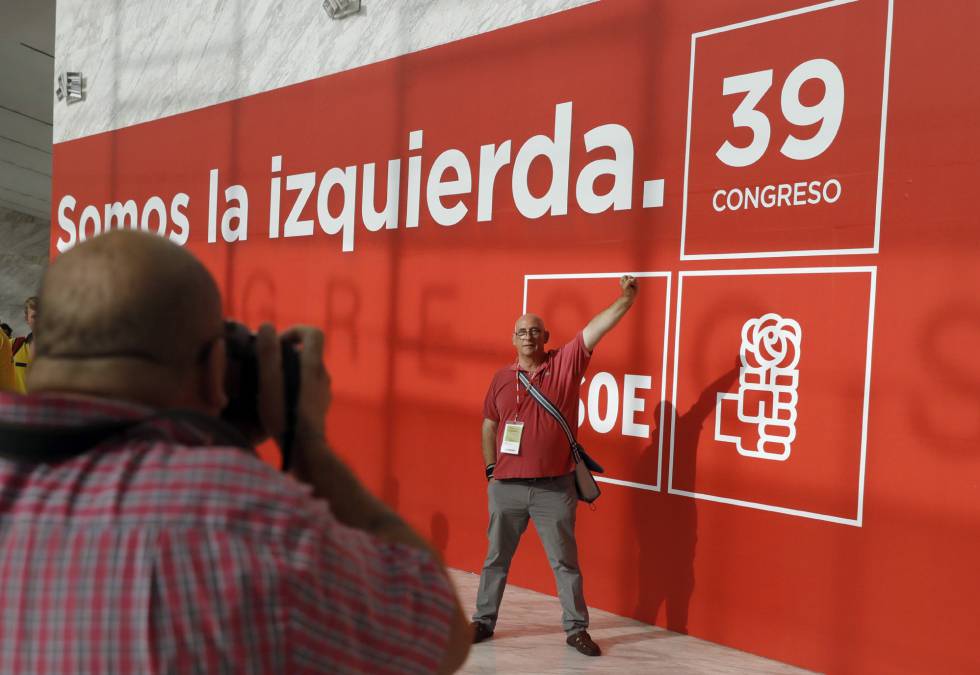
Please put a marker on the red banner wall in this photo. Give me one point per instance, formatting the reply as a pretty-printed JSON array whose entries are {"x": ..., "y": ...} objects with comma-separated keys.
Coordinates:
[{"x": 818, "y": 507}]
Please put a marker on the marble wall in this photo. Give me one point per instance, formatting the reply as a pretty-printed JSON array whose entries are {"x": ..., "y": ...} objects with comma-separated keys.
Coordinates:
[
  {"x": 23, "y": 258},
  {"x": 146, "y": 59}
]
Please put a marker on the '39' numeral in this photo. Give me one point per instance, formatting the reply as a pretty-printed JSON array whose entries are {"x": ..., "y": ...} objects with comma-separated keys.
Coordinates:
[{"x": 828, "y": 112}]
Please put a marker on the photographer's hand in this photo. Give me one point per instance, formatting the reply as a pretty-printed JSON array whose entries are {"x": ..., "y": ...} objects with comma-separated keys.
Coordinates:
[
  {"x": 272, "y": 406},
  {"x": 314, "y": 381}
]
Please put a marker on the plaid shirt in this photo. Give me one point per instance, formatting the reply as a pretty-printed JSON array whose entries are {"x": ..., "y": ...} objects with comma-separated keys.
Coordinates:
[{"x": 156, "y": 553}]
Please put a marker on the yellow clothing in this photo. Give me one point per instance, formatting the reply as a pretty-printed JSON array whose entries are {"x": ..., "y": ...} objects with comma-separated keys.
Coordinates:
[
  {"x": 7, "y": 382},
  {"x": 22, "y": 360}
]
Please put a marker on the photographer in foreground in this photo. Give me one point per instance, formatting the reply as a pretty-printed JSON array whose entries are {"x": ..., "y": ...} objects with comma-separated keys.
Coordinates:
[{"x": 134, "y": 538}]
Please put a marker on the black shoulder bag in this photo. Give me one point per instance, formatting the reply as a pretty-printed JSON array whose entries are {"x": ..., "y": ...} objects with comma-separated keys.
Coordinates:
[{"x": 585, "y": 485}]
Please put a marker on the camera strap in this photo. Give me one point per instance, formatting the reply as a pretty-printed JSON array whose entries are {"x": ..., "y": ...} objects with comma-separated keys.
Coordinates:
[
  {"x": 46, "y": 445},
  {"x": 28, "y": 444}
]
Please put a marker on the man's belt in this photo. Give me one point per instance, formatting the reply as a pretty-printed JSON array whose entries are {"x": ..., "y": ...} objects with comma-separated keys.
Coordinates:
[{"x": 534, "y": 479}]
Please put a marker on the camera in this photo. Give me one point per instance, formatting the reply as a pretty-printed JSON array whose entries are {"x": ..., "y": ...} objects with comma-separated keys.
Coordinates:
[{"x": 242, "y": 387}]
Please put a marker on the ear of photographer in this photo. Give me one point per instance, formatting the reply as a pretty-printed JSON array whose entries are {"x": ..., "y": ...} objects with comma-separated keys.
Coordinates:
[{"x": 140, "y": 533}]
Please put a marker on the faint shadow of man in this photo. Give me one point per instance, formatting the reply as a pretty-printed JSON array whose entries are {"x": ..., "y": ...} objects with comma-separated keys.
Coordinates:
[{"x": 667, "y": 525}]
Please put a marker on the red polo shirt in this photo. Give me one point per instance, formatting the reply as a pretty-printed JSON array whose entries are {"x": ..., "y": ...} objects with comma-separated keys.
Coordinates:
[{"x": 544, "y": 447}]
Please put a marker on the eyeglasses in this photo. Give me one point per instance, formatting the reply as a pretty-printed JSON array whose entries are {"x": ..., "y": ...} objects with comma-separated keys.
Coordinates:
[{"x": 524, "y": 332}]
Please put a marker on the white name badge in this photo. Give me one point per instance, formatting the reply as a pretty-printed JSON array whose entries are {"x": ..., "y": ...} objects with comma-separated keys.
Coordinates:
[{"x": 511, "y": 443}]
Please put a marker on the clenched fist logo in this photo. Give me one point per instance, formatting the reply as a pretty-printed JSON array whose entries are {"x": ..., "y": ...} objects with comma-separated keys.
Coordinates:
[{"x": 767, "y": 392}]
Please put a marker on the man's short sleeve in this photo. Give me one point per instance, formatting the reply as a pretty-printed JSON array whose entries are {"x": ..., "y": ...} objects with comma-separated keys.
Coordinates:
[
  {"x": 362, "y": 605},
  {"x": 575, "y": 356}
]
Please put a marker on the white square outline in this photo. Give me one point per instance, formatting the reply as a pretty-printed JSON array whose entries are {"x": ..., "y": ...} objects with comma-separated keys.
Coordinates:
[
  {"x": 663, "y": 365},
  {"x": 881, "y": 142},
  {"x": 857, "y": 521}
]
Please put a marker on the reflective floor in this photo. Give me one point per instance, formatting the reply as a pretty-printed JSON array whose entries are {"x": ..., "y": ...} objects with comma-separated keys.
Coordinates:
[{"x": 529, "y": 639}]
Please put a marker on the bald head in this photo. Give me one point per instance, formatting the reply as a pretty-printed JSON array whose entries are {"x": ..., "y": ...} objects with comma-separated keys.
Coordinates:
[
  {"x": 530, "y": 337},
  {"x": 529, "y": 321},
  {"x": 124, "y": 297}
]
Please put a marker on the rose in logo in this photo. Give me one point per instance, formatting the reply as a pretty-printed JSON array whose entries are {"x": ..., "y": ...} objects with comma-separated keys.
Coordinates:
[{"x": 771, "y": 342}]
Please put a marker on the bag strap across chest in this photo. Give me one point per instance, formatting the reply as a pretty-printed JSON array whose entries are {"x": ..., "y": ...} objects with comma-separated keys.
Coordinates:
[{"x": 578, "y": 452}]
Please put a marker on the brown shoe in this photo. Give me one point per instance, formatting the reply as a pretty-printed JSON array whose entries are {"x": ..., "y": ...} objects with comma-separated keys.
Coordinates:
[
  {"x": 584, "y": 644},
  {"x": 481, "y": 631}
]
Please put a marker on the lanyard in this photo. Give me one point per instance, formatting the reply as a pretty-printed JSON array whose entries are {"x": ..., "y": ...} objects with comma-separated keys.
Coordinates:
[
  {"x": 517, "y": 385},
  {"x": 517, "y": 392}
]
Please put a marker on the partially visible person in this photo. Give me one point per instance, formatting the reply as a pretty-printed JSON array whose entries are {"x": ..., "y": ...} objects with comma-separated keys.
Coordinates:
[
  {"x": 169, "y": 546},
  {"x": 7, "y": 382},
  {"x": 23, "y": 347},
  {"x": 6, "y": 329}
]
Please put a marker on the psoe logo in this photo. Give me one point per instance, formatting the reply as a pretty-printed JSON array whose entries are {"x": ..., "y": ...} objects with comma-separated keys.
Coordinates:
[{"x": 767, "y": 392}]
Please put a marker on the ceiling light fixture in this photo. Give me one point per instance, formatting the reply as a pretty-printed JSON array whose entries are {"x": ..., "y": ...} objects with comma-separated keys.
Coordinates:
[
  {"x": 340, "y": 9},
  {"x": 71, "y": 86}
]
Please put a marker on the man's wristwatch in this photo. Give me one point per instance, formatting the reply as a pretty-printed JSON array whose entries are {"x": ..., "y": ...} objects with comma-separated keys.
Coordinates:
[{"x": 489, "y": 471}]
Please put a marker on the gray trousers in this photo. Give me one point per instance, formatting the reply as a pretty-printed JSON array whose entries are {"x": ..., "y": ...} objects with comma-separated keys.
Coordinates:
[{"x": 551, "y": 504}]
